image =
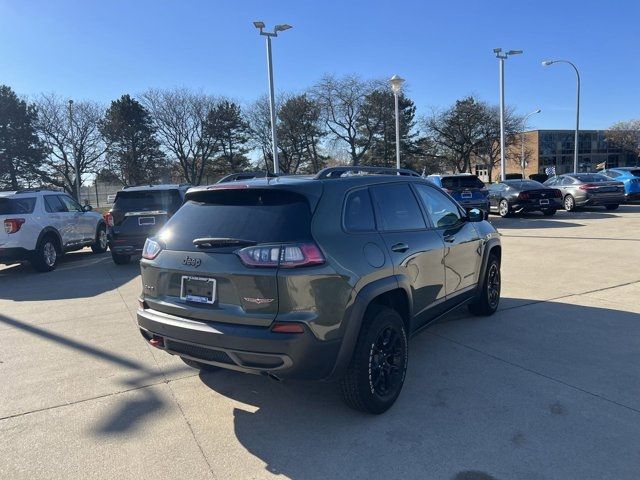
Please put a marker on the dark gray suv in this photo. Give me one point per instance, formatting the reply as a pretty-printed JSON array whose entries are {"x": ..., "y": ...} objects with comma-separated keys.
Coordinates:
[{"x": 320, "y": 278}]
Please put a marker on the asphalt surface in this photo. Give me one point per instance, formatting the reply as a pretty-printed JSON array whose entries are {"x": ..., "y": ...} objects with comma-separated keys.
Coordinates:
[{"x": 547, "y": 388}]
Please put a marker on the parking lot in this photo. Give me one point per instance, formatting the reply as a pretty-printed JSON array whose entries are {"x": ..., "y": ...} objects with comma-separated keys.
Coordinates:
[{"x": 547, "y": 388}]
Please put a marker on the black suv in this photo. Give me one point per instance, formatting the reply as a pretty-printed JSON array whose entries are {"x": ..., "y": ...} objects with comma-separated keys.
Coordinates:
[
  {"x": 137, "y": 213},
  {"x": 324, "y": 277}
]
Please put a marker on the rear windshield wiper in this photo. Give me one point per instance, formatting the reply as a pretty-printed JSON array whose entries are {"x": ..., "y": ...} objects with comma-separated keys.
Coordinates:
[{"x": 212, "y": 242}]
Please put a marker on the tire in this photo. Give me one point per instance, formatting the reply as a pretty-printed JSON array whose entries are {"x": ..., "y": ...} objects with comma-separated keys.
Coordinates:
[
  {"x": 47, "y": 254},
  {"x": 503, "y": 208},
  {"x": 612, "y": 207},
  {"x": 101, "y": 243},
  {"x": 120, "y": 259},
  {"x": 569, "y": 203},
  {"x": 372, "y": 383},
  {"x": 487, "y": 302},
  {"x": 550, "y": 212},
  {"x": 205, "y": 367}
]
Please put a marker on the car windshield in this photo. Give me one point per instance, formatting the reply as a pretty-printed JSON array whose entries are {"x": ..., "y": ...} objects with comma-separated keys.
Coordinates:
[
  {"x": 591, "y": 177},
  {"x": 147, "y": 200},
  {"x": 462, "y": 181},
  {"x": 524, "y": 184},
  {"x": 11, "y": 206}
]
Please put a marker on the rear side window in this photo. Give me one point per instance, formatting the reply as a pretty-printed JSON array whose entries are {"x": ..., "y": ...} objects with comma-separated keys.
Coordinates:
[
  {"x": 592, "y": 178},
  {"x": 612, "y": 174},
  {"x": 358, "y": 212},
  {"x": 12, "y": 206},
  {"x": 464, "y": 181},
  {"x": 53, "y": 204},
  {"x": 258, "y": 215},
  {"x": 398, "y": 208},
  {"x": 148, "y": 200}
]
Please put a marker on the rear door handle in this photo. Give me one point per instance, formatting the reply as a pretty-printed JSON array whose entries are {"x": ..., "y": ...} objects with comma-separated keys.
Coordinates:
[
  {"x": 400, "y": 247},
  {"x": 450, "y": 239}
]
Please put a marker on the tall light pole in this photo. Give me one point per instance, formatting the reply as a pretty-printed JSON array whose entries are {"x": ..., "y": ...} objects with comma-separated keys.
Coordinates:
[
  {"x": 524, "y": 125},
  {"x": 546, "y": 63},
  {"x": 75, "y": 153},
  {"x": 396, "y": 85},
  {"x": 502, "y": 57},
  {"x": 272, "y": 102}
]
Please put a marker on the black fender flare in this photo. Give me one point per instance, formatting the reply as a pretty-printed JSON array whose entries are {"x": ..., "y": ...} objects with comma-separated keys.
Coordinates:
[
  {"x": 50, "y": 230},
  {"x": 354, "y": 316},
  {"x": 488, "y": 247}
]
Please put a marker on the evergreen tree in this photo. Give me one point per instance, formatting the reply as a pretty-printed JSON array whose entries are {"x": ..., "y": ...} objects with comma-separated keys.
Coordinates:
[
  {"x": 134, "y": 154},
  {"x": 21, "y": 152},
  {"x": 227, "y": 124}
]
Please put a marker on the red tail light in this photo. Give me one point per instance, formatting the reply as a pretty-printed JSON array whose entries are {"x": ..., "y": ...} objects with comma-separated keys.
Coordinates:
[
  {"x": 524, "y": 196},
  {"x": 108, "y": 218},
  {"x": 587, "y": 186},
  {"x": 557, "y": 193},
  {"x": 284, "y": 256},
  {"x": 13, "y": 225}
]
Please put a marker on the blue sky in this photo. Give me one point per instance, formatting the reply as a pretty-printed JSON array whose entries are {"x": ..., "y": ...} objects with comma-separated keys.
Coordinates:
[{"x": 101, "y": 50}]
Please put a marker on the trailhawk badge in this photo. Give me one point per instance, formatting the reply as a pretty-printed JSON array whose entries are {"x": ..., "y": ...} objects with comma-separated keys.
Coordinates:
[
  {"x": 192, "y": 262},
  {"x": 259, "y": 301}
]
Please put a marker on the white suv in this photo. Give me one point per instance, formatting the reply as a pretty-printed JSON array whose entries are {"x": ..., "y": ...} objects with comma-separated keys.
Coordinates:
[{"x": 41, "y": 225}]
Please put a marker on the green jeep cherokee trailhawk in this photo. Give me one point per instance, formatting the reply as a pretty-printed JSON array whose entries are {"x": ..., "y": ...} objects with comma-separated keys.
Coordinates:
[{"x": 315, "y": 277}]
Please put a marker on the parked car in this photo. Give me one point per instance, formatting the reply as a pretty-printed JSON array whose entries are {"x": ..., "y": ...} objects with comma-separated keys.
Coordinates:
[
  {"x": 41, "y": 225},
  {"x": 630, "y": 177},
  {"x": 323, "y": 277},
  {"x": 468, "y": 190},
  {"x": 518, "y": 196},
  {"x": 588, "y": 189},
  {"x": 137, "y": 213}
]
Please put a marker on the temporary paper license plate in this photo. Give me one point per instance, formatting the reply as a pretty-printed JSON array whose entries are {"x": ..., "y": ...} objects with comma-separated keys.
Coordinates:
[{"x": 198, "y": 289}]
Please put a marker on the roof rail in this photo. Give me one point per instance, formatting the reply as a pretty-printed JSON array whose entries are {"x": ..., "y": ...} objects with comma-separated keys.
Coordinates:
[
  {"x": 232, "y": 177},
  {"x": 337, "y": 172},
  {"x": 37, "y": 189}
]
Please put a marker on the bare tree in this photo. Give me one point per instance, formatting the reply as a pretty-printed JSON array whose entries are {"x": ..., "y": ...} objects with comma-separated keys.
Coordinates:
[
  {"x": 259, "y": 118},
  {"x": 342, "y": 102},
  {"x": 489, "y": 148},
  {"x": 625, "y": 135},
  {"x": 180, "y": 117},
  {"x": 70, "y": 133}
]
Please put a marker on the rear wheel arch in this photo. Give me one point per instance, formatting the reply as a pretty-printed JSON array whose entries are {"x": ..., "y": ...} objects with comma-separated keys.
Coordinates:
[{"x": 52, "y": 232}]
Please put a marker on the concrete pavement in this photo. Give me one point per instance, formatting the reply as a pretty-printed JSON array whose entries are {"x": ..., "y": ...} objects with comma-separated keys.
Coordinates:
[{"x": 545, "y": 389}]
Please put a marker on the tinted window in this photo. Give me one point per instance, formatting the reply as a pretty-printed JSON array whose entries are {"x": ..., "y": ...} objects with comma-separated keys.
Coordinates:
[
  {"x": 148, "y": 200},
  {"x": 635, "y": 173},
  {"x": 70, "y": 203},
  {"x": 524, "y": 184},
  {"x": 53, "y": 204},
  {"x": 358, "y": 212},
  {"x": 592, "y": 178},
  {"x": 551, "y": 182},
  {"x": 398, "y": 208},
  {"x": 443, "y": 212},
  {"x": 567, "y": 181},
  {"x": 463, "y": 181},
  {"x": 262, "y": 216},
  {"x": 612, "y": 174},
  {"x": 10, "y": 206}
]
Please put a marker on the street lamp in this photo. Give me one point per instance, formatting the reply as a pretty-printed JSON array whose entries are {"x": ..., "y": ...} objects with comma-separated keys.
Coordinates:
[
  {"x": 502, "y": 57},
  {"x": 396, "y": 85},
  {"x": 75, "y": 153},
  {"x": 524, "y": 124},
  {"x": 272, "y": 103},
  {"x": 546, "y": 63}
]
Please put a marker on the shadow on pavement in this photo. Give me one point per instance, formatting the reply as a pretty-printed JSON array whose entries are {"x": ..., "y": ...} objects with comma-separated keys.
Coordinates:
[
  {"x": 463, "y": 413},
  {"x": 81, "y": 274}
]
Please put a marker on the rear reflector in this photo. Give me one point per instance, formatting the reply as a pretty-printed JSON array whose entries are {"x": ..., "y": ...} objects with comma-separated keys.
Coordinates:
[
  {"x": 108, "y": 218},
  {"x": 157, "y": 341},
  {"x": 282, "y": 327}
]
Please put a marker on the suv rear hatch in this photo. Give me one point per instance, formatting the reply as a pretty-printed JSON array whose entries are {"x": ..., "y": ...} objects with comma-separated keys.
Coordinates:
[
  {"x": 222, "y": 252},
  {"x": 465, "y": 188},
  {"x": 139, "y": 214},
  {"x": 13, "y": 214}
]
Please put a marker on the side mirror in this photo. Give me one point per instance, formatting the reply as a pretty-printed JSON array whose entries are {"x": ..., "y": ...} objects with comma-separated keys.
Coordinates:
[
  {"x": 87, "y": 208},
  {"x": 475, "y": 215}
]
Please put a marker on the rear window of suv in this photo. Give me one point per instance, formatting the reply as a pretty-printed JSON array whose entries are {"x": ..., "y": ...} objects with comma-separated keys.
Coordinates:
[
  {"x": 464, "y": 181},
  {"x": 13, "y": 206},
  {"x": 148, "y": 200},
  {"x": 258, "y": 215}
]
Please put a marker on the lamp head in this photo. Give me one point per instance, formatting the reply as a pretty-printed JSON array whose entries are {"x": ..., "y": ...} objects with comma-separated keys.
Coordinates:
[
  {"x": 396, "y": 83},
  {"x": 538, "y": 111},
  {"x": 497, "y": 50},
  {"x": 283, "y": 27},
  {"x": 514, "y": 52},
  {"x": 546, "y": 63},
  {"x": 259, "y": 25}
]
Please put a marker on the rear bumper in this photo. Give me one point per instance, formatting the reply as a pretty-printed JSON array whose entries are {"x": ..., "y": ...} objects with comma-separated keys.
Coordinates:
[
  {"x": 482, "y": 204},
  {"x": 554, "y": 204},
  {"x": 596, "y": 200},
  {"x": 244, "y": 348},
  {"x": 632, "y": 196},
  {"x": 125, "y": 245},
  {"x": 14, "y": 254}
]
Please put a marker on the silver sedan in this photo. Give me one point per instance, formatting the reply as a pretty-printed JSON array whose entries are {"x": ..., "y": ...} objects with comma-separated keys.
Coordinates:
[{"x": 588, "y": 189}]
